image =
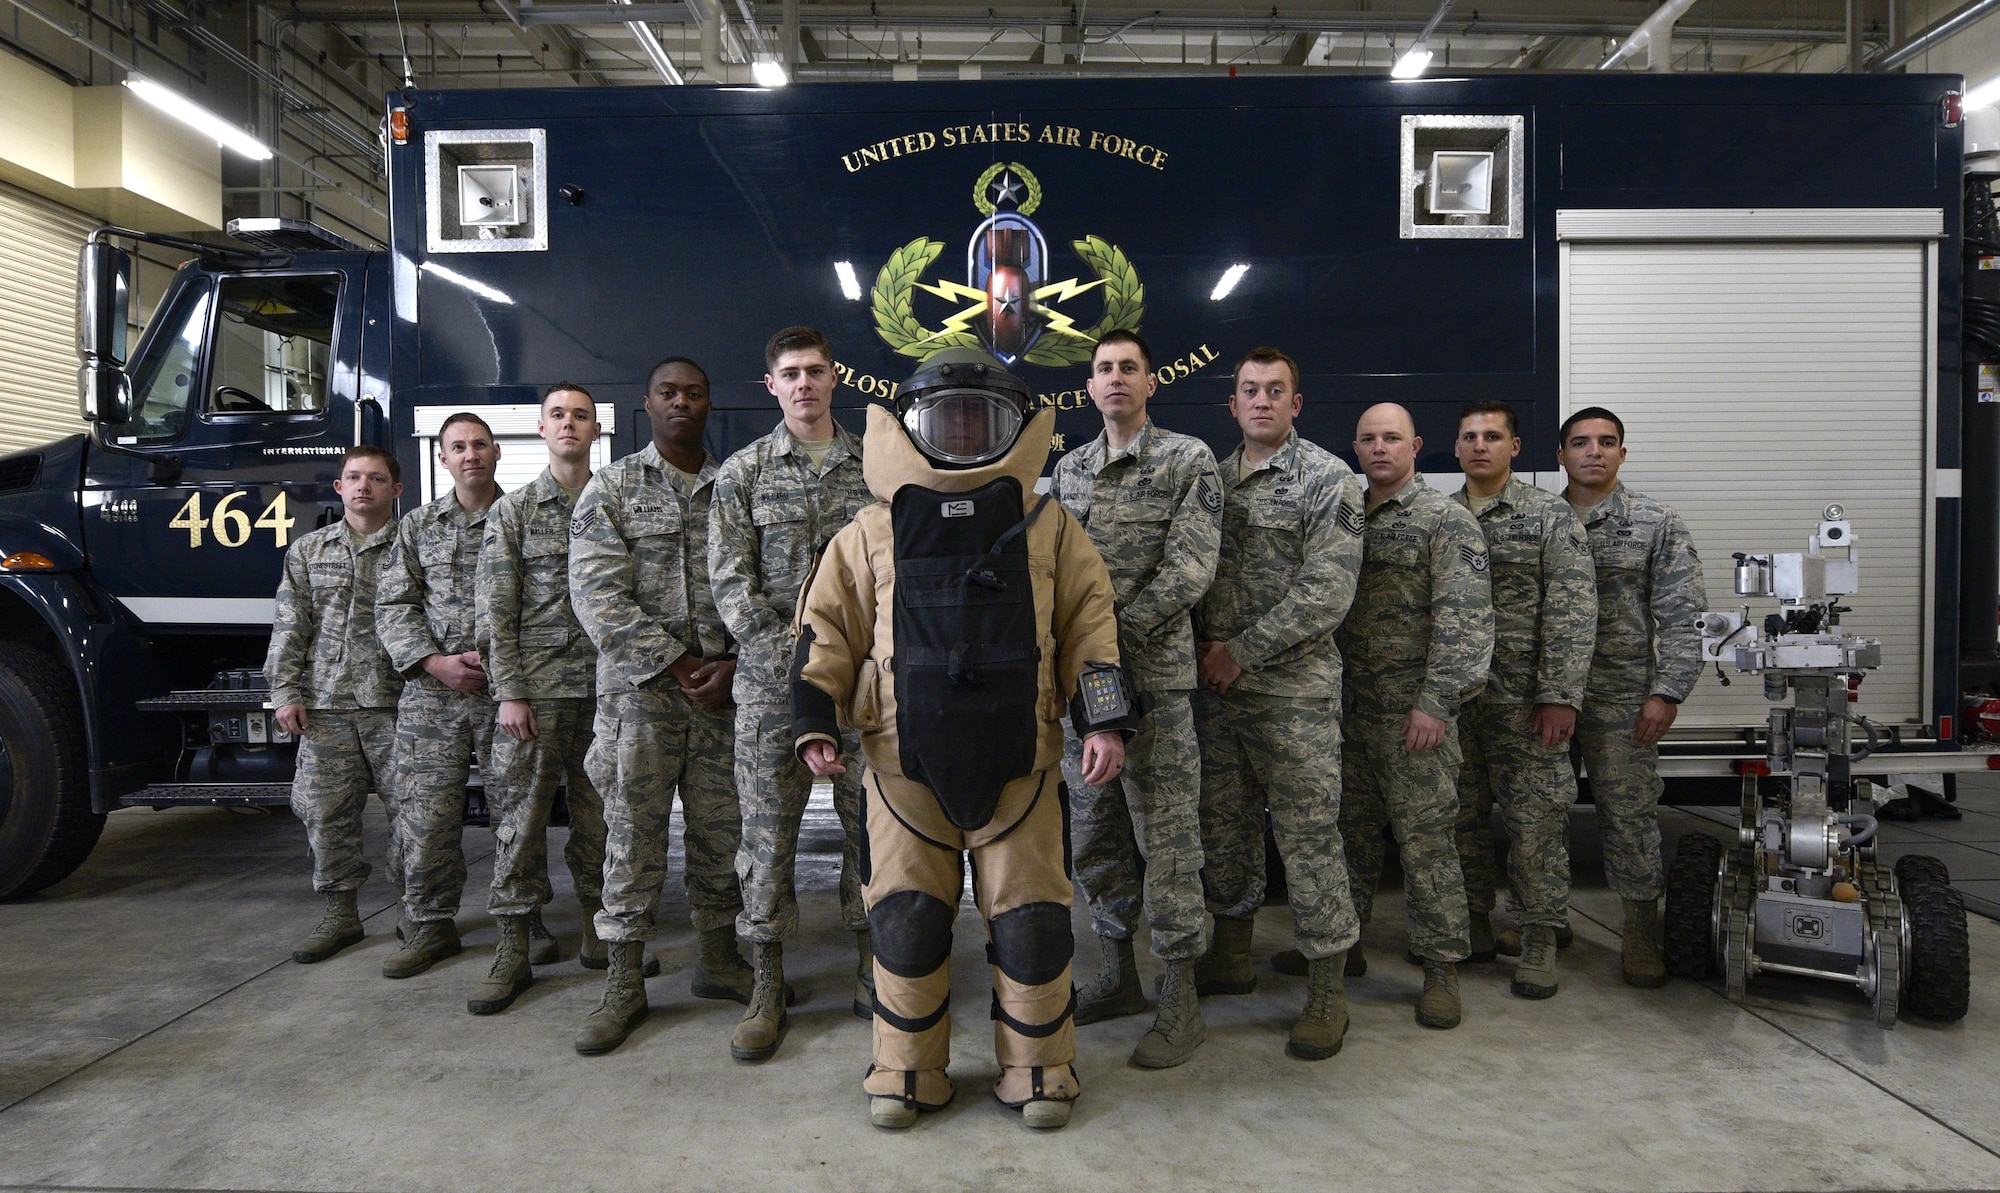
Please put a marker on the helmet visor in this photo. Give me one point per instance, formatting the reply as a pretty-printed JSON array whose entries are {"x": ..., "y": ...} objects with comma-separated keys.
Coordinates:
[{"x": 964, "y": 426}]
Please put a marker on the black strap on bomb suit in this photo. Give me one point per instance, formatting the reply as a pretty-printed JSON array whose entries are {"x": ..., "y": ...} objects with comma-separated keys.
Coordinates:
[{"x": 968, "y": 655}]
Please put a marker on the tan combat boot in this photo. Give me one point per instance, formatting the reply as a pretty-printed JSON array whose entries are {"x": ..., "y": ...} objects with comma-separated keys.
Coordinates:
[
  {"x": 864, "y": 975},
  {"x": 1225, "y": 968},
  {"x": 427, "y": 944},
  {"x": 592, "y": 954},
  {"x": 339, "y": 926},
  {"x": 623, "y": 1007},
  {"x": 1641, "y": 959},
  {"x": 1508, "y": 943},
  {"x": 511, "y": 972},
  {"x": 1535, "y": 976},
  {"x": 1322, "y": 1026},
  {"x": 542, "y": 947},
  {"x": 720, "y": 970},
  {"x": 1115, "y": 990},
  {"x": 1178, "y": 1028},
  {"x": 756, "y": 1037},
  {"x": 1439, "y": 1006}
]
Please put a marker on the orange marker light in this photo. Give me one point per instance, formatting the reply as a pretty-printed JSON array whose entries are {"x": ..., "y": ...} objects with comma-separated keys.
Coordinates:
[{"x": 27, "y": 561}]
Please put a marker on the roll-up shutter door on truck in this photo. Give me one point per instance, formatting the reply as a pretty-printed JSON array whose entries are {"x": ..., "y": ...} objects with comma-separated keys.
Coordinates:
[{"x": 38, "y": 359}]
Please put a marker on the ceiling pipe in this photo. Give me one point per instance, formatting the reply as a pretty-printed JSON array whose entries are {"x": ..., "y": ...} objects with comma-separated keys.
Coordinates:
[
  {"x": 1950, "y": 26},
  {"x": 1655, "y": 35}
]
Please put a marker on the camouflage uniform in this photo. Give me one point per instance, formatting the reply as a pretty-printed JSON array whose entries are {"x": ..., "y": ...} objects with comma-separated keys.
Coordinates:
[
  {"x": 1649, "y": 591},
  {"x": 638, "y": 568},
  {"x": 324, "y": 655},
  {"x": 1291, "y": 550},
  {"x": 1544, "y": 617},
  {"x": 428, "y": 605},
  {"x": 1154, "y": 512},
  {"x": 1420, "y": 635},
  {"x": 772, "y": 516},
  {"x": 535, "y": 651}
]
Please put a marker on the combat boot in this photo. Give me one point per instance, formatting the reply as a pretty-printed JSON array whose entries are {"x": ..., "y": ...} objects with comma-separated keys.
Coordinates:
[
  {"x": 1535, "y": 976},
  {"x": 1439, "y": 1007},
  {"x": 1293, "y": 963},
  {"x": 339, "y": 927},
  {"x": 1508, "y": 943},
  {"x": 511, "y": 972},
  {"x": 1115, "y": 990},
  {"x": 720, "y": 970},
  {"x": 427, "y": 944},
  {"x": 592, "y": 954},
  {"x": 542, "y": 947},
  {"x": 1178, "y": 1028},
  {"x": 1322, "y": 1026},
  {"x": 624, "y": 1005},
  {"x": 1641, "y": 959},
  {"x": 864, "y": 975},
  {"x": 756, "y": 1037},
  {"x": 1043, "y": 1094},
  {"x": 1225, "y": 968}
]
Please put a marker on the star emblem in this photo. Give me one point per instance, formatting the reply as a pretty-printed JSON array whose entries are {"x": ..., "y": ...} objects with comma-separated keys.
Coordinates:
[
  {"x": 1008, "y": 302},
  {"x": 1006, "y": 189}
]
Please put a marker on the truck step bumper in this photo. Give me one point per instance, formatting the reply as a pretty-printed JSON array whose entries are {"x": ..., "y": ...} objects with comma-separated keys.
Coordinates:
[{"x": 242, "y": 795}]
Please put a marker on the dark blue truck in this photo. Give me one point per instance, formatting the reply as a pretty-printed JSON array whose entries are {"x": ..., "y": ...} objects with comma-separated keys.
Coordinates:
[{"x": 1762, "y": 272}]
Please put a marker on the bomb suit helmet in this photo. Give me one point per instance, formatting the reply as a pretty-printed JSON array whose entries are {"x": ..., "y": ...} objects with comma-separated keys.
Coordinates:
[{"x": 962, "y": 408}]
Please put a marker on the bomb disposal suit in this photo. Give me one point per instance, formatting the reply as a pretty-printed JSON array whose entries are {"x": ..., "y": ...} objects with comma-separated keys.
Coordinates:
[{"x": 949, "y": 625}]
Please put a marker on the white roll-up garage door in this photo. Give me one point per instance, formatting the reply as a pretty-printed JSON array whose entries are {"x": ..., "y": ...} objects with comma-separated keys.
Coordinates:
[
  {"x": 1759, "y": 382},
  {"x": 38, "y": 315}
]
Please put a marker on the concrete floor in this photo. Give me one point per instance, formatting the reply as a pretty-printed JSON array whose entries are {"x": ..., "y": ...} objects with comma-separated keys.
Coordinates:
[{"x": 155, "y": 1035}]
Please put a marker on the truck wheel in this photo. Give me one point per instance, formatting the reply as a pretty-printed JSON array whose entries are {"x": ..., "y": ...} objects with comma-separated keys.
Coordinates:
[
  {"x": 46, "y": 825},
  {"x": 1940, "y": 962},
  {"x": 1913, "y": 868},
  {"x": 1689, "y": 929}
]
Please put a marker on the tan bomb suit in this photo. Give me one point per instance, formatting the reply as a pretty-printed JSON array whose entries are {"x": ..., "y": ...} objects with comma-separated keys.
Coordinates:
[{"x": 911, "y": 862}]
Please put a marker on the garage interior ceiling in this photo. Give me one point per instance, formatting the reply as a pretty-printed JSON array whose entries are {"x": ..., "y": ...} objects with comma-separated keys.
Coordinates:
[{"x": 307, "y": 76}]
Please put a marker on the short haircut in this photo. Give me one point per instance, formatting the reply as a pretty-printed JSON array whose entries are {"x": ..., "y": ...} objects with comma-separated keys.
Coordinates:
[
  {"x": 1585, "y": 415},
  {"x": 796, "y": 339},
  {"x": 1265, "y": 355},
  {"x": 368, "y": 451},
  {"x": 654, "y": 372},
  {"x": 567, "y": 387},
  {"x": 1125, "y": 335},
  {"x": 1488, "y": 406},
  {"x": 463, "y": 416}
]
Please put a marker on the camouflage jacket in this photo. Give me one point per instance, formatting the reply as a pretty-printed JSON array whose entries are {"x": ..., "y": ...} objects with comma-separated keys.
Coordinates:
[
  {"x": 772, "y": 516},
  {"x": 1291, "y": 551},
  {"x": 428, "y": 603},
  {"x": 1154, "y": 511},
  {"x": 532, "y": 644},
  {"x": 1420, "y": 634},
  {"x": 1649, "y": 592},
  {"x": 1544, "y": 597},
  {"x": 324, "y": 652},
  {"x": 638, "y": 569}
]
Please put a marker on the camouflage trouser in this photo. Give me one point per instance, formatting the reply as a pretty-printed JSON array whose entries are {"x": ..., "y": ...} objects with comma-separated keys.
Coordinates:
[
  {"x": 1140, "y": 834},
  {"x": 1279, "y": 753},
  {"x": 1625, "y": 785},
  {"x": 521, "y": 790},
  {"x": 651, "y": 744},
  {"x": 1417, "y": 794},
  {"x": 1505, "y": 764},
  {"x": 774, "y": 786},
  {"x": 342, "y": 757},
  {"x": 438, "y": 734}
]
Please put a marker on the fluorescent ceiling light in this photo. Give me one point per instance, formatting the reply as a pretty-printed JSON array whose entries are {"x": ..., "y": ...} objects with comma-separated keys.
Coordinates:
[
  {"x": 1984, "y": 95},
  {"x": 849, "y": 284},
  {"x": 1230, "y": 277},
  {"x": 1414, "y": 62},
  {"x": 196, "y": 117},
  {"x": 768, "y": 72},
  {"x": 465, "y": 283}
]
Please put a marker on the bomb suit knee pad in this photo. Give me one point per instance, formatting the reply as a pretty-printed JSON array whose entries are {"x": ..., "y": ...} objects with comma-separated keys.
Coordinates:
[
  {"x": 1032, "y": 943},
  {"x": 910, "y": 932}
]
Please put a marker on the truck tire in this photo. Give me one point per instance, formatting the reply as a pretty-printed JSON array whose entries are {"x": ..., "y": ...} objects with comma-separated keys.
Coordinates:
[
  {"x": 46, "y": 825},
  {"x": 1913, "y": 868},
  {"x": 1940, "y": 962},
  {"x": 1689, "y": 927}
]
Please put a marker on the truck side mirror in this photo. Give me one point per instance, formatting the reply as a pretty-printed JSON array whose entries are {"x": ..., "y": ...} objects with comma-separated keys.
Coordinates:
[{"x": 103, "y": 308}]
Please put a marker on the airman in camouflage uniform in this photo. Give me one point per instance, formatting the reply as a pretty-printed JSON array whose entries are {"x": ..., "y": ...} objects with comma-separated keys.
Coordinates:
[
  {"x": 777, "y": 503},
  {"x": 1647, "y": 659},
  {"x": 665, "y": 664},
  {"x": 426, "y": 615},
  {"x": 1515, "y": 736},
  {"x": 538, "y": 669},
  {"x": 333, "y": 688},
  {"x": 1418, "y": 642},
  {"x": 1268, "y": 712},
  {"x": 1153, "y": 507}
]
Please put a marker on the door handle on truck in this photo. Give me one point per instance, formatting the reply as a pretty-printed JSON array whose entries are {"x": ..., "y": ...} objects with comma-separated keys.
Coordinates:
[{"x": 363, "y": 400}]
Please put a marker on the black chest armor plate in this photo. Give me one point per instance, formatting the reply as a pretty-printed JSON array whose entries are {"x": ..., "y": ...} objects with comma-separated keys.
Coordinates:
[{"x": 967, "y": 652}]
